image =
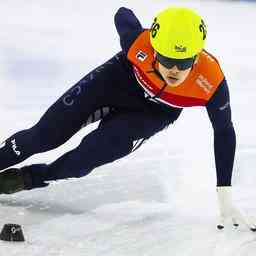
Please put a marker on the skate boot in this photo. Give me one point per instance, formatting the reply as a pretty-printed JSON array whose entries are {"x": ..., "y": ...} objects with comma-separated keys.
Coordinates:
[{"x": 13, "y": 180}]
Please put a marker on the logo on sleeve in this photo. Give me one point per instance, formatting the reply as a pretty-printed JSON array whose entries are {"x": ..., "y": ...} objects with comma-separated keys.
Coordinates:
[
  {"x": 141, "y": 56},
  {"x": 224, "y": 106}
]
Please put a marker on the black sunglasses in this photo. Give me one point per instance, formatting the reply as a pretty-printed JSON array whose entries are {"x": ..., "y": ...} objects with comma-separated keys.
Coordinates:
[{"x": 181, "y": 64}]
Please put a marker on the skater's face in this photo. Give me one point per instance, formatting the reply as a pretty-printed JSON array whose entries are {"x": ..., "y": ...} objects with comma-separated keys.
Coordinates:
[
  {"x": 174, "y": 71},
  {"x": 173, "y": 76}
]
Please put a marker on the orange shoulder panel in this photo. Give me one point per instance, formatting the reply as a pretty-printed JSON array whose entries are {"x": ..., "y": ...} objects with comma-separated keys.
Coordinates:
[
  {"x": 202, "y": 82},
  {"x": 143, "y": 46}
]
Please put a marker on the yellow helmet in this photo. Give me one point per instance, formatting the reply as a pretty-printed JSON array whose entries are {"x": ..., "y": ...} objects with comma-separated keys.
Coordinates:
[{"x": 178, "y": 33}]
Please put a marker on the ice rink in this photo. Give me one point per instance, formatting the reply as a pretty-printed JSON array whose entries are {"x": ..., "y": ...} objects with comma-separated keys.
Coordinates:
[{"x": 147, "y": 204}]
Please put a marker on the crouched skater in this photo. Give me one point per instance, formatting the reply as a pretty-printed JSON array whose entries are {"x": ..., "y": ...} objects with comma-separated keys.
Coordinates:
[{"x": 135, "y": 94}]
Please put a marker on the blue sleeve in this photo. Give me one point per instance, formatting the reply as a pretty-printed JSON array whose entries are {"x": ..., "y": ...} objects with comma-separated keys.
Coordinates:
[
  {"x": 219, "y": 112},
  {"x": 128, "y": 27}
]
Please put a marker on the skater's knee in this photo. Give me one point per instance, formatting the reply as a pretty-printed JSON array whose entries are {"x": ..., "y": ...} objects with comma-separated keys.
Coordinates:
[{"x": 42, "y": 138}]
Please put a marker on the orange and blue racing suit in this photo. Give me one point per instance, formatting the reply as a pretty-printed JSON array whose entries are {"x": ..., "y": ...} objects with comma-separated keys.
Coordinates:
[{"x": 132, "y": 102}]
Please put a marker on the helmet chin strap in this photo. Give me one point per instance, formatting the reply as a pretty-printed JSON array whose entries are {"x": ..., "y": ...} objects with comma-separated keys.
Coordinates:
[
  {"x": 157, "y": 72},
  {"x": 154, "y": 69}
]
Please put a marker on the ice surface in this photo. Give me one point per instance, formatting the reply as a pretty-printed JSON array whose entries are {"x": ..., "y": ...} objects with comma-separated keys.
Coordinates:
[{"x": 144, "y": 204}]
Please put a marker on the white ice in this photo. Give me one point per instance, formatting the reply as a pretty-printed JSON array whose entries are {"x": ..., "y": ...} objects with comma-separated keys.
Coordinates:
[{"x": 160, "y": 200}]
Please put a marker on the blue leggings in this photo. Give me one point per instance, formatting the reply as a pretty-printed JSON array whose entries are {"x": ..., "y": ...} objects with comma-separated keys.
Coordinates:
[{"x": 109, "y": 94}]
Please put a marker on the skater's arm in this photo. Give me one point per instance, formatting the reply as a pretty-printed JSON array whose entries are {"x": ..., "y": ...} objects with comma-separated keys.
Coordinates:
[
  {"x": 128, "y": 27},
  {"x": 219, "y": 112}
]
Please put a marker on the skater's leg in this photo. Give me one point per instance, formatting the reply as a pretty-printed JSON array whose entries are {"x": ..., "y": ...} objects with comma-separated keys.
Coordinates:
[
  {"x": 85, "y": 102},
  {"x": 112, "y": 140}
]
